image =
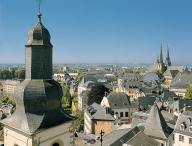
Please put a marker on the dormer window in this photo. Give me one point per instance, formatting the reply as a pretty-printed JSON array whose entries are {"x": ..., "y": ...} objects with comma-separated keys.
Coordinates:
[
  {"x": 182, "y": 126},
  {"x": 190, "y": 128},
  {"x": 189, "y": 120}
]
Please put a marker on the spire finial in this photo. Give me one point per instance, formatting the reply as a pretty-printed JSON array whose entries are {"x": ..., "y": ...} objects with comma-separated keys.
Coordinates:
[
  {"x": 39, "y": 15},
  {"x": 39, "y": 4}
]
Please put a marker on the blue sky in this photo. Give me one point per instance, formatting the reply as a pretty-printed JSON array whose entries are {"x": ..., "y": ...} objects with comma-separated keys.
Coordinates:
[{"x": 100, "y": 31}]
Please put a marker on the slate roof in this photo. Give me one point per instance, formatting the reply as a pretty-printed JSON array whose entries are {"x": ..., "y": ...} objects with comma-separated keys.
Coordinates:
[
  {"x": 120, "y": 100},
  {"x": 152, "y": 77},
  {"x": 146, "y": 102},
  {"x": 184, "y": 77},
  {"x": 170, "y": 74},
  {"x": 38, "y": 106},
  {"x": 97, "y": 112},
  {"x": 39, "y": 35},
  {"x": 179, "y": 85},
  {"x": 132, "y": 136},
  {"x": 156, "y": 126},
  {"x": 186, "y": 119},
  {"x": 11, "y": 82},
  {"x": 167, "y": 95},
  {"x": 135, "y": 84},
  {"x": 180, "y": 104},
  {"x": 87, "y": 78}
]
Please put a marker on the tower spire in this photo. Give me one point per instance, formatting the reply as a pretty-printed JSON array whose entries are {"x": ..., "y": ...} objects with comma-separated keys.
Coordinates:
[
  {"x": 161, "y": 55},
  {"x": 157, "y": 57},
  {"x": 39, "y": 15},
  {"x": 39, "y": 4},
  {"x": 168, "y": 60}
]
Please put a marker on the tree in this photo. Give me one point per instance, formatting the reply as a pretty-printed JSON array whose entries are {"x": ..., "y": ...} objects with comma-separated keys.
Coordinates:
[
  {"x": 80, "y": 118},
  {"x": 66, "y": 99},
  {"x": 96, "y": 94},
  {"x": 79, "y": 78},
  {"x": 188, "y": 94},
  {"x": 20, "y": 73},
  {"x": 5, "y": 74}
]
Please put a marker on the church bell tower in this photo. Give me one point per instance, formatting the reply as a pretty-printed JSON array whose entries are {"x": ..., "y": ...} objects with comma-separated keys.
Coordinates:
[{"x": 39, "y": 119}]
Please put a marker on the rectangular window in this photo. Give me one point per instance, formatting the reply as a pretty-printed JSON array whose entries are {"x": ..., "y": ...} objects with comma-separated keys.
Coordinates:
[
  {"x": 121, "y": 114},
  {"x": 190, "y": 140},
  {"x": 181, "y": 138},
  {"x": 126, "y": 114}
]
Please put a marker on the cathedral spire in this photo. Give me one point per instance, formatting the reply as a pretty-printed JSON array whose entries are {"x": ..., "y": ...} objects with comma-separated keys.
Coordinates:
[
  {"x": 157, "y": 58},
  {"x": 168, "y": 60},
  {"x": 161, "y": 55}
]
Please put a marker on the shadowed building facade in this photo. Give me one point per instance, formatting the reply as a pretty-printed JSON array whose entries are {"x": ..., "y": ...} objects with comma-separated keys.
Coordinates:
[{"x": 39, "y": 118}]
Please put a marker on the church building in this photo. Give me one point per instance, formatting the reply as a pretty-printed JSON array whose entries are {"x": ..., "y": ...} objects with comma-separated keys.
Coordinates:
[
  {"x": 39, "y": 119},
  {"x": 159, "y": 65}
]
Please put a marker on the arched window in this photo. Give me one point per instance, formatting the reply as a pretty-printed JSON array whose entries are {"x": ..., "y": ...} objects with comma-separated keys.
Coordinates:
[{"x": 55, "y": 144}]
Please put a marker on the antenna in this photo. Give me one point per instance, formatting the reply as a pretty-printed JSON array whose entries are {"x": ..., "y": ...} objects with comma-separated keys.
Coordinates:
[{"x": 39, "y": 4}]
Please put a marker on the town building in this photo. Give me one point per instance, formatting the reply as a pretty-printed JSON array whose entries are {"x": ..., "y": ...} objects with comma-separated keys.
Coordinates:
[
  {"x": 183, "y": 130},
  {"x": 8, "y": 87},
  {"x": 97, "y": 118},
  {"x": 121, "y": 105}
]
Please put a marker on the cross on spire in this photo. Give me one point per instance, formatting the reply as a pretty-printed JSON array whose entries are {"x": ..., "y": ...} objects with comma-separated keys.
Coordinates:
[{"x": 39, "y": 4}]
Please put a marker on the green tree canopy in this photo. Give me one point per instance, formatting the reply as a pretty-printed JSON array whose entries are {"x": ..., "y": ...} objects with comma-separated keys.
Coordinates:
[
  {"x": 188, "y": 94},
  {"x": 96, "y": 94},
  {"x": 20, "y": 73},
  {"x": 79, "y": 78},
  {"x": 5, "y": 74}
]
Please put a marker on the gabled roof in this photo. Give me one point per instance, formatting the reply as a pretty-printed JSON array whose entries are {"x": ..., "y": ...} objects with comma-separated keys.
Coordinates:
[
  {"x": 97, "y": 112},
  {"x": 129, "y": 136},
  {"x": 186, "y": 120},
  {"x": 87, "y": 78},
  {"x": 146, "y": 102},
  {"x": 156, "y": 126},
  {"x": 180, "y": 85},
  {"x": 120, "y": 100},
  {"x": 169, "y": 94}
]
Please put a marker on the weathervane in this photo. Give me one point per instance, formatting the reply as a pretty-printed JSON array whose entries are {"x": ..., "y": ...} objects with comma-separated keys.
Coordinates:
[{"x": 39, "y": 4}]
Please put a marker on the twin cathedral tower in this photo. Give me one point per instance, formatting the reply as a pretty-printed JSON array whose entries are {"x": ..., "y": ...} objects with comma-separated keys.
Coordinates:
[{"x": 159, "y": 65}]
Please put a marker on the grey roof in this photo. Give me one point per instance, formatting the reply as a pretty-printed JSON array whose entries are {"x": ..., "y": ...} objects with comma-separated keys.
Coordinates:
[
  {"x": 186, "y": 120},
  {"x": 97, "y": 112},
  {"x": 167, "y": 95},
  {"x": 38, "y": 106},
  {"x": 141, "y": 139},
  {"x": 181, "y": 103},
  {"x": 11, "y": 82},
  {"x": 39, "y": 35},
  {"x": 135, "y": 84},
  {"x": 153, "y": 76},
  {"x": 170, "y": 73},
  {"x": 120, "y": 100},
  {"x": 184, "y": 77},
  {"x": 88, "y": 78},
  {"x": 179, "y": 85},
  {"x": 129, "y": 136},
  {"x": 146, "y": 102},
  {"x": 156, "y": 126}
]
